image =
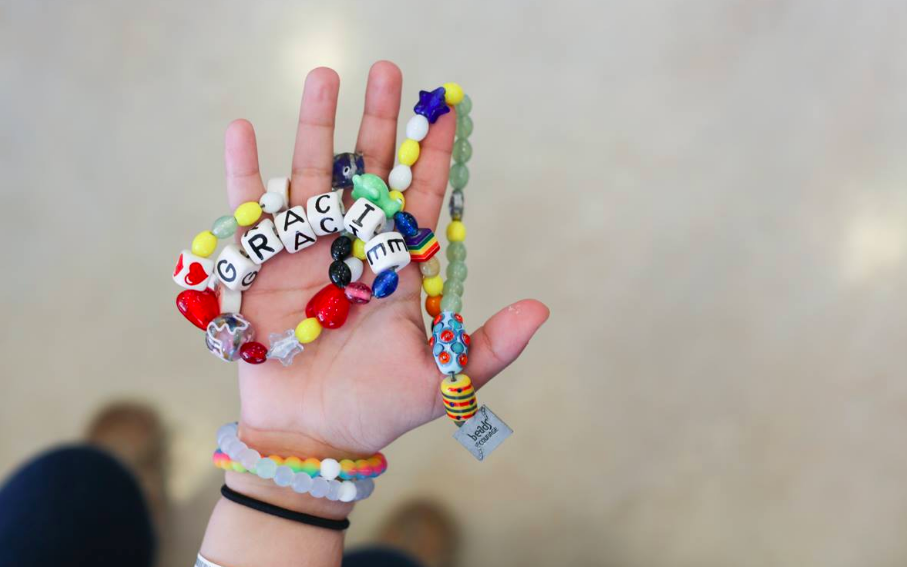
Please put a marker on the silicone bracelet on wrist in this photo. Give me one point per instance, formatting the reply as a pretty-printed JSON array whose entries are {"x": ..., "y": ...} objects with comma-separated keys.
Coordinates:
[{"x": 264, "y": 507}]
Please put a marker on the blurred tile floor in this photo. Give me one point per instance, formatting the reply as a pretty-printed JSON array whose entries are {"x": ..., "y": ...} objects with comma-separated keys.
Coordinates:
[{"x": 711, "y": 196}]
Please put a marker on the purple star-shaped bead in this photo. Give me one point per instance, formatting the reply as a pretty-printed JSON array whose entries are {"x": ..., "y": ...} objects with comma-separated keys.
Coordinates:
[{"x": 431, "y": 105}]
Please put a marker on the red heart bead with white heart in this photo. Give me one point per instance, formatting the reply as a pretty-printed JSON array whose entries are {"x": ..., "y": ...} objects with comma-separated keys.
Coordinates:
[{"x": 199, "y": 307}]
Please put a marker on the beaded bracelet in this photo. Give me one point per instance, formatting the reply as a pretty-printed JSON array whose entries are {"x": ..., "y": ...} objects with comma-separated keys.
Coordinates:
[
  {"x": 318, "y": 478},
  {"x": 232, "y": 452}
]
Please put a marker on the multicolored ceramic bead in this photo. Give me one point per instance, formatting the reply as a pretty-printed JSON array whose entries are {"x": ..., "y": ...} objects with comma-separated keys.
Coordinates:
[
  {"x": 459, "y": 397},
  {"x": 423, "y": 245},
  {"x": 449, "y": 342}
]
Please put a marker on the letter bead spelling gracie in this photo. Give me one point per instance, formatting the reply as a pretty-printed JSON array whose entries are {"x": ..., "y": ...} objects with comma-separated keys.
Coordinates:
[
  {"x": 295, "y": 230},
  {"x": 387, "y": 251},
  {"x": 326, "y": 213},
  {"x": 261, "y": 242},
  {"x": 364, "y": 219},
  {"x": 235, "y": 269}
]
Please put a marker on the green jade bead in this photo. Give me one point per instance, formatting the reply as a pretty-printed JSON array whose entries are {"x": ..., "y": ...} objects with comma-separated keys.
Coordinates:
[
  {"x": 451, "y": 303},
  {"x": 457, "y": 271},
  {"x": 465, "y": 106},
  {"x": 224, "y": 227},
  {"x": 464, "y": 127},
  {"x": 459, "y": 176},
  {"x": 453, "y": 287},
  {"x": 462, "y": 151},
  {"x": 456, "y": 252}
]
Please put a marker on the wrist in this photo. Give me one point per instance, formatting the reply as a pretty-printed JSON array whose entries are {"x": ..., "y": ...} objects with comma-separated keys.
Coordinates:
[
  {"x": 291, "y": 443},
  {"x": 285, "y": 497}
]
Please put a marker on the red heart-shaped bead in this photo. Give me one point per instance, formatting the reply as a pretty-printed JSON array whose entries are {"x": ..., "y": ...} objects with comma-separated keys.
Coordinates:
[
  {"x": 330, "y": 306},
  {"x": 200, "y": 307}
]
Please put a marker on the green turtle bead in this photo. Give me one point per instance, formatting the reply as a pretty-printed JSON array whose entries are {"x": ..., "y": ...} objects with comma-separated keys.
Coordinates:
[
  {"x": 451, "y": 303},
  {"x": 224, "y": 227},
  {"x": 453, "y": 287},
  {"x": 457, "y": 271},
  {"x": 462, "y": 150},
  {"x": 464, "y": 127},
  {"x": 456, "y": 252}
]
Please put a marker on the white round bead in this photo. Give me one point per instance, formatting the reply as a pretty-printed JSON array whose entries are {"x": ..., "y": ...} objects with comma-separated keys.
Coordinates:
[
  {"x": 400, "y": 178},
  {"x": 249, "y": 458},
  {"x": 330, "y": 469},
  {"x": 355, "y": 265},
  {"x": 347, "y": 491},
  {"x": 320, "y": 487},
  {"x": 228, "y": 444},
  {"x": 283, "y": 476},
  {"x": 236, "y": 449},
  {"x": 265, "y": 468},
  {"x": 272, "y": 202},
  {"x": 302, "y": 483},
  {"x": 333, "y": 490},
  {"x": 417, "y": 128},
  {"x": 228, "y": 430}
]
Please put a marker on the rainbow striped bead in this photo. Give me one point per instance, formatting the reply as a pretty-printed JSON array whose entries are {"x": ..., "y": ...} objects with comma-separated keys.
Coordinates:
[
  {"x": 423, "y": 245},
  {"x": 459, "y": 397}
]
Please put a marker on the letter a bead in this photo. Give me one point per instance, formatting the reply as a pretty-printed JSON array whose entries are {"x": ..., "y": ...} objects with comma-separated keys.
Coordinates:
[{"x": 294, "y": 229}]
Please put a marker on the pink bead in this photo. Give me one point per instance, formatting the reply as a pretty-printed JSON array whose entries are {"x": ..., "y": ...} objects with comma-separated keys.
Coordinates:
[{"x": 358, "y": 292}]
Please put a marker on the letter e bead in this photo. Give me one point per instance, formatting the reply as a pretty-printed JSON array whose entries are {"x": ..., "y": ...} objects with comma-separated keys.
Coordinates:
[{"x": 387, "y": 251}]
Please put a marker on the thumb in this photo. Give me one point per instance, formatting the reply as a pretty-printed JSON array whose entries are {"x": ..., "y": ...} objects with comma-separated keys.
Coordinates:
[{"x": 502, "y": 338}]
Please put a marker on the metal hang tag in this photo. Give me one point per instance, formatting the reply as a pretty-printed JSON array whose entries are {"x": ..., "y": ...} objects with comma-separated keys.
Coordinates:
[{"x": 482, "y": 433}]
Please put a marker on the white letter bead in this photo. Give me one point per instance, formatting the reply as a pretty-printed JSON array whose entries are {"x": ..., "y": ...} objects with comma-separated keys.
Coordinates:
[
  {"x": 272, "y": 203},
  {"x": 417, "y": 128},
  {"x": 192, "y": 272},
  {"x": 229, "y": 300},
  {"x": 326, "y": 212},
  {"x": 355, "y": 265},
  {"x": 401, "y": 177},
  {"x": 387, "y": 251},
  {"x": 235, "y": 269},
  {"x": 364, "y": 219},
  {"x": 261, "y": 242},
  {"x": 281, "y": 186},
  {"x": 294, "y": 229}
]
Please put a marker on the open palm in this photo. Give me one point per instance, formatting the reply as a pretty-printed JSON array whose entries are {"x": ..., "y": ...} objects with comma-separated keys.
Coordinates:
[{"x": 356, "y": 388}]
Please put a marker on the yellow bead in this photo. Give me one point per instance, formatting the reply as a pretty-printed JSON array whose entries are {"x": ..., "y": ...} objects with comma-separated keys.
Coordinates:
[
  {"x": 247, "y": 214},
  {"x": 453, "y": 93},
  {"x": 204, "y": 244},
  {"x": 409, "y": 152},
  {"x": 433, "y": 286},
  {"x": 359, "y": 248},
  {"x": 308, "y": 330},
  {"x": 398, "y": 196},
  {"x": 456, "y": 231}
]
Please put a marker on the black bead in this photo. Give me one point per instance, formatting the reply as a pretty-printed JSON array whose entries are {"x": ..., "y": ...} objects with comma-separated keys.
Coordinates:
[
  {"x": 341, "y": 248},
  {"x": 340, "y": 273}
]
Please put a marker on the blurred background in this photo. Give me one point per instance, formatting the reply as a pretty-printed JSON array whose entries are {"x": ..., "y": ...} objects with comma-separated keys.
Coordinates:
[{"x": 711, "y": 196}]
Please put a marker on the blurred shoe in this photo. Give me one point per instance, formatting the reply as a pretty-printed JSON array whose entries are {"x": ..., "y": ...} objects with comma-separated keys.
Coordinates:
[
  {"x": 134, "y": 434},
  {"x": 424, "y": 530}
]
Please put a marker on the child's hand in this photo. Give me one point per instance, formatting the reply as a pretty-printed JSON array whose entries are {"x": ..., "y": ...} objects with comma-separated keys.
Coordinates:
[{"x": 357, "y": 388}]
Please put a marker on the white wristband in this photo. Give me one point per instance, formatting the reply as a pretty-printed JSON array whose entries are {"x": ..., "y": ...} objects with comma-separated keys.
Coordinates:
[{"x": 202, "y": 562}]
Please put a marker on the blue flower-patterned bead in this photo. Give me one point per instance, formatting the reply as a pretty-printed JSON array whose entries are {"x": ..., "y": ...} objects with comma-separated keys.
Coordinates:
[
  {"x": 449, "y": 342},
  {"x": 345, "y": 167},
  {"x": 385, "y": 284}
]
